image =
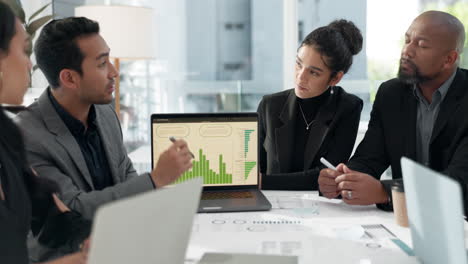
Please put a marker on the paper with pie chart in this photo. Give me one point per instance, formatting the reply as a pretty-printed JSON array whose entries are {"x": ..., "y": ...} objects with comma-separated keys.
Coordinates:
[{"x": 225, "y": 152}]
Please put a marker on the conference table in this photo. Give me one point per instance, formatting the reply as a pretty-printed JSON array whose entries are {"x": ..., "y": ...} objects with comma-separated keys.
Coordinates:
[{"x": 303, "y": 224}]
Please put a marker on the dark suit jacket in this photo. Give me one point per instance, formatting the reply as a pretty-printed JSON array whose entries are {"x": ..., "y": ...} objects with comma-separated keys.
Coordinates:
[
  {"x": 392, "y": 133},
  {"x": 29, "y": 204},
  {"x": 332, "y": 136}
]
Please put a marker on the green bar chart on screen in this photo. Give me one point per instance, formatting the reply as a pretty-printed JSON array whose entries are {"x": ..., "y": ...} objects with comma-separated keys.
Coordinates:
[
  {"x": 225, "y": 153},
  {"x": 201, "y": 167}
]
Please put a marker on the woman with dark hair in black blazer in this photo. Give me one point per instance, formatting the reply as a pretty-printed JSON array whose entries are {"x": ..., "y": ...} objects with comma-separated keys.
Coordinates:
[
  {"x": 315, "y": 119},
  {"x": 27, "y": 202}
]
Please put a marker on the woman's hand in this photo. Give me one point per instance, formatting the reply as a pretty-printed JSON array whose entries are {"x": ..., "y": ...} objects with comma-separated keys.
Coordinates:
[
  {"x": 2, "y": 195},
  {"x": 60, "y": 205},
  {"x": 76, "y": 258},
  {"x": 85, "y": 246}
]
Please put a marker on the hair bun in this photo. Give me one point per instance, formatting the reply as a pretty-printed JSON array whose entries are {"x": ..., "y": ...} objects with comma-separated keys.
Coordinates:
[{"x": 351, "y": 34}]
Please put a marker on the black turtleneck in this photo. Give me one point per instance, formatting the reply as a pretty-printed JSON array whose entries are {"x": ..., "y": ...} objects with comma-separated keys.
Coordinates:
[{"x": 310, "y": 107}]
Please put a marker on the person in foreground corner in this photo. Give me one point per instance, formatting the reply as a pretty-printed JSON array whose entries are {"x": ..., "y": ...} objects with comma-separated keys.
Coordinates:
[
  {"x": 72, "y": 133},
  {"x": 27, "y": 201},
  {"x": 315, "y": 119},
  {"x": 421, "y": 114}
]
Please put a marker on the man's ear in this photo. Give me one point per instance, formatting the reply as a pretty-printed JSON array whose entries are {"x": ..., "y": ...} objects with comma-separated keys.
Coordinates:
[
  {"x": 69, "y": 79},
  {"x": 1, "y": 61},
  {"x": 451, "y": 59},
  {"x": 335, "y": 80},
  {"x": 1, "y": 71}
]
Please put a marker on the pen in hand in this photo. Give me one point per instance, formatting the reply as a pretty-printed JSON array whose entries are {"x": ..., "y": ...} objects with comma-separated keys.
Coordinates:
[
  {"x": 327, "y": 163},
  {"x": 172, "y": 139}
]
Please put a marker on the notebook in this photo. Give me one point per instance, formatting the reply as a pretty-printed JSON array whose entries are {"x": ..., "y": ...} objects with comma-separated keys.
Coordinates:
[
  {"x": 225, "y": 146},
  {"x": 435, "y": 213},
  {"x": 153, "y": 227}
]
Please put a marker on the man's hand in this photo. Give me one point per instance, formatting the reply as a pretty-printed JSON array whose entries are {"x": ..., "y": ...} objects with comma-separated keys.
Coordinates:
[
  {"x": 326, "y": 181},
  {"x": 360, "y": 188},
  {"x": 172, "y": 163}
]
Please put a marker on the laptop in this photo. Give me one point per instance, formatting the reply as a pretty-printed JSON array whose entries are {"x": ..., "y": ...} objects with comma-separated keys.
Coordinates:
[
  {"x": 435, "y": 213},
  {"x": 225, "y": 147},
  {"x": 153, "y": 227}
]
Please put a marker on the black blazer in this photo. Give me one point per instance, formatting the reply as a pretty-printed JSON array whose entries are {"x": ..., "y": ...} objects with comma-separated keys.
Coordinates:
[
  {"x": 15, "y": 210},
  {"x": 332, "y": 136},
  {"x": 392, "y": 133},
  {"x": 29, "y": 205}
]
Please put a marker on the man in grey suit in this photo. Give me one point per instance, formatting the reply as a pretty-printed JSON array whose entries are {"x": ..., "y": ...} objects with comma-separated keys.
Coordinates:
[{"x": 72, "y": 133}]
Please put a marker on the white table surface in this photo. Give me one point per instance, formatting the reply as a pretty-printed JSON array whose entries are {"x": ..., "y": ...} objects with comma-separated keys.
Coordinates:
[
  {"x": 330, "y": 223},
  {"x": 302, "y": 224}
]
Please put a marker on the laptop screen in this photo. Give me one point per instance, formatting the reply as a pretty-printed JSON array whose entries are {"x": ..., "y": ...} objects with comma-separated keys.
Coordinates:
[
  {"x": 225, "y": 145},
  {"x": 435, "y": 213}
]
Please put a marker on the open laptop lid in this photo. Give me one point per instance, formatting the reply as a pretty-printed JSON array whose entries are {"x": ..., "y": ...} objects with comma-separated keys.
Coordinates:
[
  {"x": 153, "y": 227},
  {"x": 435, "y": 214},
  {"x": 225, "y": 146}
]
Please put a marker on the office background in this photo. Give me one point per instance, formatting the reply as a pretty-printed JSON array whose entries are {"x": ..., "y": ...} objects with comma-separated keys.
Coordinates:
[{"x": 224, "y": 55}]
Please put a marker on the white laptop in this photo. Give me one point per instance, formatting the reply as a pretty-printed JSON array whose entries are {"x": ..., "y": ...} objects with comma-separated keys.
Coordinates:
[
  {"x": 435, "y": 213},
  {"x": 149, "y": 228}
]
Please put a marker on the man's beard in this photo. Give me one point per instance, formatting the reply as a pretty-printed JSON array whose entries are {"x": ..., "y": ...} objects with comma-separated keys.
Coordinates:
[{"x": 413, "y": 78}]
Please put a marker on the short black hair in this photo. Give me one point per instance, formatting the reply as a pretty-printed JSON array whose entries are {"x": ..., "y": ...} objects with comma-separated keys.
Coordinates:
[
  {"x": 337, "y": 42},
  {"x": 57, "y": 49},
  {"x": 7, "y": 27}
]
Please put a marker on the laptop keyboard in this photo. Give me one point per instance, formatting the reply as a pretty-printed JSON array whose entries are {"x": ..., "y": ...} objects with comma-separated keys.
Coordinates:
[{"x": 226, "y": 195}]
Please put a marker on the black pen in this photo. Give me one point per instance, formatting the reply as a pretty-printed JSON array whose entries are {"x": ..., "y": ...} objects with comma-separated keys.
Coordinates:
[{"x": 172, "y": 139}]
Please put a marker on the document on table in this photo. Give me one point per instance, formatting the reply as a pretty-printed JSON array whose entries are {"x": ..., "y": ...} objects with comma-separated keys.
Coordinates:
[
  {"x": 306, "y": 205},
  {"x": 296, "y": 201},
  {"x": 287, "y": 221},
  {"x": 268, "y": 222},
  {"x": 291, "y": 228},
  {"x": 308, "y": 248}
]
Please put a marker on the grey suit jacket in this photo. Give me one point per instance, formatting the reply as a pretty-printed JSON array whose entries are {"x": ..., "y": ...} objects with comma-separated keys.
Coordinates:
[{"x": 53, "y": 152}]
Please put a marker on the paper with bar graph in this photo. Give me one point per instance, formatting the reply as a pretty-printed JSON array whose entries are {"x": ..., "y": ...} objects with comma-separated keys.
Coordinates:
[{"x": 225, "y": 152}]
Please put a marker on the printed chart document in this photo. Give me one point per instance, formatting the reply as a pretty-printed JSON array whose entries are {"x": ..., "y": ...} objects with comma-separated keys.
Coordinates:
[{"x": 302, "y": 225}]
